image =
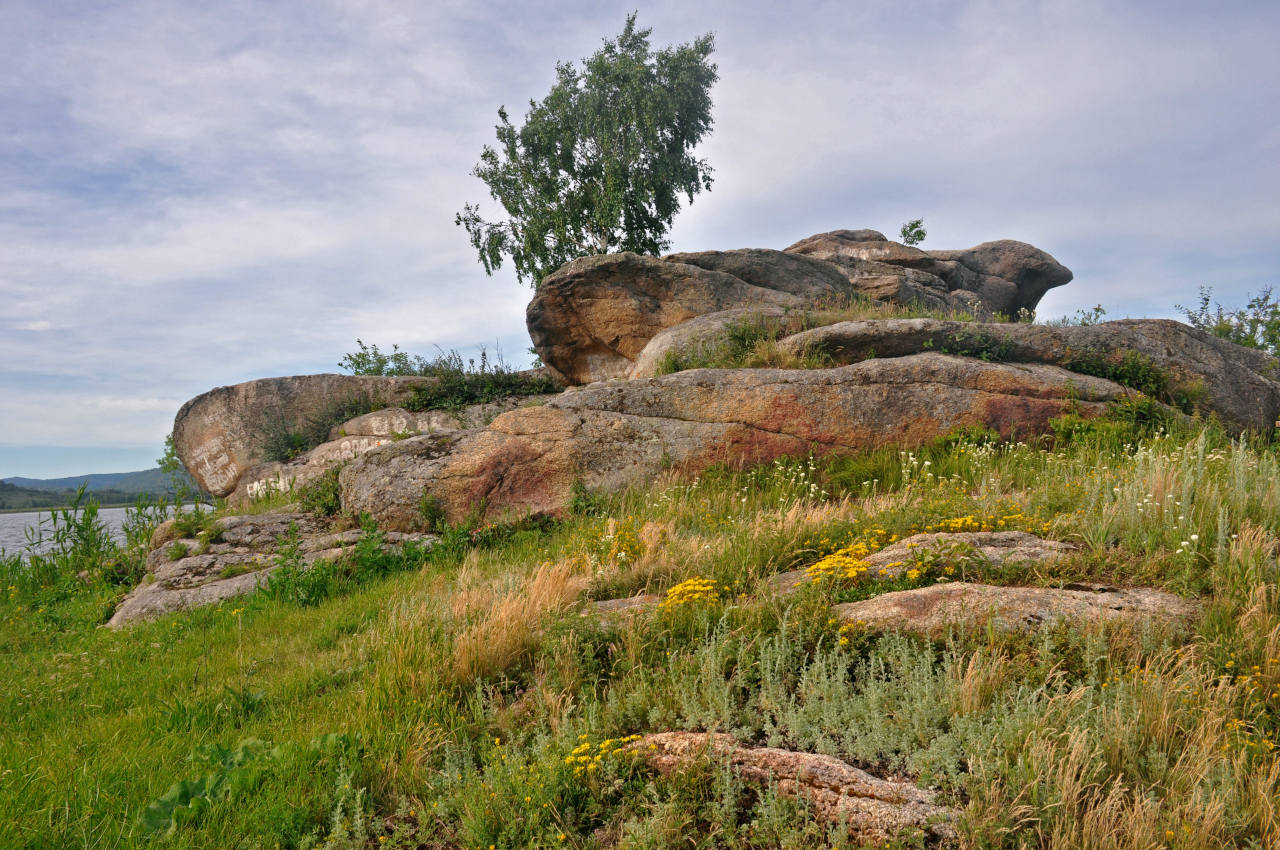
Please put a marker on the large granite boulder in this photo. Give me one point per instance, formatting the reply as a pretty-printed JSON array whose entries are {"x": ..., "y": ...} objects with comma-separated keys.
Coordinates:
[
  {"x": 1241, "y": 385},
  {"x": 611, "y": 435},
  {"x": 591, "y": 318},
  {"x": 1005, "y": 276},
  {"x": 222, "y": 433},
  {"x": 364, "y": 433}
]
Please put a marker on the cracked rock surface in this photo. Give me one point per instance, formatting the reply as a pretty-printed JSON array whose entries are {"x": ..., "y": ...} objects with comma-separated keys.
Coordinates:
[
  {"x": 873, "y": 809},
  {"x": 930, "y": 611},
  {"x": 188, "y": 573},
  {"x": 614, "y": 434}
]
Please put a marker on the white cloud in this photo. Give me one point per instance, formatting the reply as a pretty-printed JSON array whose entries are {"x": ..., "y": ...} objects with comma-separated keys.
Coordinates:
[{"x": 199, "y": 195}]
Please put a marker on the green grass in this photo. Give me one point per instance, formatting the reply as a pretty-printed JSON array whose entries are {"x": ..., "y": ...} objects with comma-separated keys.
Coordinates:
[{"x": 459, "y": 682}]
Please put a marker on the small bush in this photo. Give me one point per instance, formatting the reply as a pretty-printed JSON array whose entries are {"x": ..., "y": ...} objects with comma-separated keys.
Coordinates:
[
  {"x": 285, "y": 439},
  {"x": 460, "y": 384},
  {"x": 1256, "y": 325},
  {"x": 979, "y": 344},
  {"x": 323, "y": 495}
]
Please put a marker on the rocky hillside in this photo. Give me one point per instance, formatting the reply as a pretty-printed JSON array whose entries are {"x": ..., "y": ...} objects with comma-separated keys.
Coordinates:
[{"x": 781, "y": 547}]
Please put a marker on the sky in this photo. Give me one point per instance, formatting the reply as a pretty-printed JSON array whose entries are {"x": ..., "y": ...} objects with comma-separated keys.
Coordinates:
[{"x": 195, "y": 194}]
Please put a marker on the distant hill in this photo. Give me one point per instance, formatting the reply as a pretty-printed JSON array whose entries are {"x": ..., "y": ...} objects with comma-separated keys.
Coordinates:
[
  {"x": 108, "y": 488},
  {"x": 146, "y": 481}
]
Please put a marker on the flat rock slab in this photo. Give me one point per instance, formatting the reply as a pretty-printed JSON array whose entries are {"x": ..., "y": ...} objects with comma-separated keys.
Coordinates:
[
  {"x": 611, "y": 435},
  {"x": 1242, "y": 384},
  {"x": 237, "y": 564},
  {"x": 930, "y": 611},
  {"x": 873, "y": 809},
  {"x": 997, "y": 547}
]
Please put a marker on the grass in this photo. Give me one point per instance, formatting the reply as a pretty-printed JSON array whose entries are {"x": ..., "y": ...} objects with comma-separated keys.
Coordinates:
[{"x": 446, "y": 702}]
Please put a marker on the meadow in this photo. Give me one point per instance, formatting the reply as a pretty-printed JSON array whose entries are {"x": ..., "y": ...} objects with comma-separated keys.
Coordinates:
[{"x": 471, "y": 696}]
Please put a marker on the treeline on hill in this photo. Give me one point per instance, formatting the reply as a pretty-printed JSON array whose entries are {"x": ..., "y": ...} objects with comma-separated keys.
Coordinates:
[
  {"x": 13, "y": 497},
  {"x": 108, "y": 490}
]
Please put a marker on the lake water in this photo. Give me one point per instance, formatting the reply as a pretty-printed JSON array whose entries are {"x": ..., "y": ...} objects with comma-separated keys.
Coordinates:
[{"x": 13, "y": 527}]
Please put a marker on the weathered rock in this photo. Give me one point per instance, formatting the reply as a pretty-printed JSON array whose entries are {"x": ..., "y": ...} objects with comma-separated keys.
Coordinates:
[
  {"x": 1032, "y": 271},
  {"x": 238, "y": 563},
  {"x": 626, "y": 606},
  {"x": 996, "y": 547},
  {"x": 873, "y": 809},
  {"x": 616, "y": 434},
  {"x": 398, "y": 422},
  {"x": 1006, "y": 276},
  {"x": 691, "y": 338},
  {"x": 906, "y": 286},
  {"x": 362, "y": 434},
  {"x": 930, "y": 611},
  {"x": 591, "y": 318},
  {"x": 830, "y": 239},
  {"x": 1242, "y": 385},
  {"x": 807, "y": 278},
  {"x": 220, "y": 434}
]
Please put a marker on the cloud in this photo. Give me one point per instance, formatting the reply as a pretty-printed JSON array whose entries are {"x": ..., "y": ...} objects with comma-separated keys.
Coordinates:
[{"x": 198, "y": 195}]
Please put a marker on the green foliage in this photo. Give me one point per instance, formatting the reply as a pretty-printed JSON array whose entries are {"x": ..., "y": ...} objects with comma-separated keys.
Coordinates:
[
  {"x": 197, "y": 523},
  {"x": 1137, "y": 371},
  {"x": 582, "y": 502},
  {"x": 600, "y": 164},
  {"x": 72, "y": 549},
  {"x": 181, "y": 484},
  {"x": 323, "y": 495},
  {"x": 370, "y": 361},
  {"x": 1256, "y": 325},
  {"x": 296, "y": 582},
  {"x": 459, "y": 384},
  {"x": 979, "y": 344},
  {"x": 284, "y": 438},
  {"x": 231, "y": 773},
  {"x": 432, "y": 513},
  {"x": 1082, "y": 318},
  {"x": 913, "y": 232},
  {"x": 749, "y": 342}
]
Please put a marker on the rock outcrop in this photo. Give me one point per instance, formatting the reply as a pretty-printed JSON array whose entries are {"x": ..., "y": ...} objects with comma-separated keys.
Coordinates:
[
  {"x": 1005, "y": 276},
  {"x": 707, "y": 333},
  {"x": 834, "y": 792},
  {"x": 354, "y": 437},
  {"x": 931, "y": 611},
  {"x": 188, "y": 573},
  {"x": 222, "y": 433},
  {"x": 1241, "y": 385},
  {"x": 614, "y": 434},
  {"x": 590, "y": 319}
]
